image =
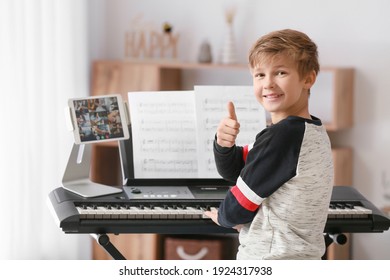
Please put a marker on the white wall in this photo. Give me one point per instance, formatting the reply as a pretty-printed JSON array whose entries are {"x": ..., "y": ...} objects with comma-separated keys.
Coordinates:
[{"x": 353, "y": 33}]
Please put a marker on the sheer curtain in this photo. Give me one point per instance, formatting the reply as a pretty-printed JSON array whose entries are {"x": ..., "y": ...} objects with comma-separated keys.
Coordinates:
[{"x": 43, "y": 62}]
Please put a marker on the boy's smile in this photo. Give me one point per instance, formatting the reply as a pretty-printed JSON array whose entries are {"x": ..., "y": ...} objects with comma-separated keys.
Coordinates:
[{"x": 280, "y": 89}]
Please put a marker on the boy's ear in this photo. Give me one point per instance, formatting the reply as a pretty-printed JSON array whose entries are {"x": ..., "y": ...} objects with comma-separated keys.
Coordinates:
[{"x": 310, "y": 79}]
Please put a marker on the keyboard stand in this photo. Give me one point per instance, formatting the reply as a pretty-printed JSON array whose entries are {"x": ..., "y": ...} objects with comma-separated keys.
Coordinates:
[
  {"x": 338, "y": 238},
  {"x": 104, "y": 241}
]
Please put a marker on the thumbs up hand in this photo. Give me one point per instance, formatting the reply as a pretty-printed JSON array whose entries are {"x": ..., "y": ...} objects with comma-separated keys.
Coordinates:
[
  {"x": 232, "y": 111},
  {"x": 228, "y": 128}
]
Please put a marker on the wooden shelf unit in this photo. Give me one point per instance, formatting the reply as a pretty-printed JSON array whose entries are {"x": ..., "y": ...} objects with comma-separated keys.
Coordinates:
[{"x": 118, "y": 76}]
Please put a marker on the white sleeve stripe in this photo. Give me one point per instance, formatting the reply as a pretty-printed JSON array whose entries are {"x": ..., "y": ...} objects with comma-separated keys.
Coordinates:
[{"x": 248, "y": 193}]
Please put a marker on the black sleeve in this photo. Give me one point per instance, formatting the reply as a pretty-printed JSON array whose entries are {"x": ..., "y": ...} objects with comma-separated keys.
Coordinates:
[
  {"x": 270, "y": 163},
  {"x": 229, "y": 161}
]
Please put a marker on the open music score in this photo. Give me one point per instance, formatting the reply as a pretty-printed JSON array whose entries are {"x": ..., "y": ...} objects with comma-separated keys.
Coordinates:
[{"x": 173, "y": 131}]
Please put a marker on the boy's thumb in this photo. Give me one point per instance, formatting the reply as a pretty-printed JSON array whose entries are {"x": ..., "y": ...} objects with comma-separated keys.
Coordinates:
[{"x": 232, "y": 111}]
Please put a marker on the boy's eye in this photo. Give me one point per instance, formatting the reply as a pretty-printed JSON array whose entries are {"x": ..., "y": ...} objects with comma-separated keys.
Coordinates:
[
  {"x": 259, "y": 75},
  {"x": 281, "y": 73}
]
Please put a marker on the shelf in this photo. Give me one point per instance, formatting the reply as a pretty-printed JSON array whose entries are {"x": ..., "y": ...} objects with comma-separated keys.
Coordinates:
[
  {"x": 343, "y": 169},
  {"x": 331, "y": 99},
  {"x": 335, "y": 101}
]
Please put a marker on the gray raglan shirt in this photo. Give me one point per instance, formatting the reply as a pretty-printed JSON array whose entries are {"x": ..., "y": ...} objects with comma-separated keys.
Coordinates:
[{"x": 283, "y": 187}]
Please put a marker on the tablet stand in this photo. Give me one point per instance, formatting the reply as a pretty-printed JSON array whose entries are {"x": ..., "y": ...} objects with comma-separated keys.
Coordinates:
[{"x": 77, "y": 174}]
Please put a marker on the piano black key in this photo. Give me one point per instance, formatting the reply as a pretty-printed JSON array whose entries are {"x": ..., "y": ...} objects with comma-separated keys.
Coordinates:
[{"x": 340, "y": 205}]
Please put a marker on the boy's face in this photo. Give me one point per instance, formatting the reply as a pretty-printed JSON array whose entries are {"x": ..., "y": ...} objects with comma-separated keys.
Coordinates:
[{"x": 280, "y": 89}]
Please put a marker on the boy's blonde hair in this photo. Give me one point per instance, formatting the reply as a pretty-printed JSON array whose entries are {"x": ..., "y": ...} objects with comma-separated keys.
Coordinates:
[{"x": 295, "y": 44}]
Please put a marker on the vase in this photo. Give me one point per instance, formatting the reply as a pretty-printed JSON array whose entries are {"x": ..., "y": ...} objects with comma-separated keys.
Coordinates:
[
  {"x": 229, "y": 53},
  {"x": 205, "y": 55}
]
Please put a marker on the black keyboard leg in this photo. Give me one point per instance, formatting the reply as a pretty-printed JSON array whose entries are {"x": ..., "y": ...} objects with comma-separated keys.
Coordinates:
[
  {"x": 338, "y": 238},
  {"x": 105, "y": 242}
]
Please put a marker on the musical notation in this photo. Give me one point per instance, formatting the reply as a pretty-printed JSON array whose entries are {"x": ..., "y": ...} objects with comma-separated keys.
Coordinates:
[
  {"x": 154, "y": 125},
  {"x": 172, "y": 125},
  {"x": 211, "y": 107},
  {"x": 168, "y": 145},
  {"x": 163, "y": 129},
  {"x": 163, "y": 166},
  {"x": 243, "y": 103}
]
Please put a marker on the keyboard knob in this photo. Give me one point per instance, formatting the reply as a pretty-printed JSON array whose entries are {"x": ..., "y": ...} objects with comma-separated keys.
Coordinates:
[{"x": 136, "y": 191}]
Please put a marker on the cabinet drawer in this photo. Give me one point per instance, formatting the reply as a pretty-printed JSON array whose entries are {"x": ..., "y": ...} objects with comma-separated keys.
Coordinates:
[{"x": 176, "y": 248}]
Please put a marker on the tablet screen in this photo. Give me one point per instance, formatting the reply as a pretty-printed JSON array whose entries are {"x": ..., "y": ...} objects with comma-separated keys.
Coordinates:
[{"x": 98, "y": 119}]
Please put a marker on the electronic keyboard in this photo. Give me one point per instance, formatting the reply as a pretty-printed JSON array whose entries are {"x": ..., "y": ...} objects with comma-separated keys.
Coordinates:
[{"x": 349, "y": 212}]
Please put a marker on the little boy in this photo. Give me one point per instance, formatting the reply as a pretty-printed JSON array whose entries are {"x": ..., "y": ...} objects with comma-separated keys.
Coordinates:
[{"x": 284, "y": 179}]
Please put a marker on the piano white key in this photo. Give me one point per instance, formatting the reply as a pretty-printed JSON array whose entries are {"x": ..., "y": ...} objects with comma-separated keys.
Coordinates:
[
  {"x": 116, "y": 212},
  {"x": 122, "y": 213},
  {"x": 82, "y": 212},
  {"x": 86, "y": 213},
  {"x": 187, "y": 215},
  {"x": 211, "y": 209},
  {"x": 338, "y": 213},
  {"x": 100, "y": 213},
  {"x": 331, "y": 213},
  {"x": 357, "y": 212},
  {"x": 348, "y": 212},
  {"x": 165, "y": 213},
  {"x": 363, "y": 212},
  {"x": 172, "y": 213},
  {"x": 194, "y": 213},
  {"x": 105, "y": 211},
  {"x": 134, "y": 213},
  {"x": 179, "y": 215},
  {"x": 157, "y": 213},
  {"x": 147, "y": 213}
]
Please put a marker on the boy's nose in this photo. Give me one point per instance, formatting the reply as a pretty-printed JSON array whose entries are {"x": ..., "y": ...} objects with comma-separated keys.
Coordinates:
[{"x": 269, "y": 83}]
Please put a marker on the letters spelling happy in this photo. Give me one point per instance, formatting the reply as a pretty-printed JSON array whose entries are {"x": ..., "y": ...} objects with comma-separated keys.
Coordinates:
[{"x": 148, "y": 43}]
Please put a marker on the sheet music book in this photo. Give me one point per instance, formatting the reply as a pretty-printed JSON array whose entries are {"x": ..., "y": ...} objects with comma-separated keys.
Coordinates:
[{"x": 173, "y": 131}]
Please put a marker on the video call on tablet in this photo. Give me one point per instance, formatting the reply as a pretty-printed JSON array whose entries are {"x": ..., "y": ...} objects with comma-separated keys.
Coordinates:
[{"x": 97, "y": 119}]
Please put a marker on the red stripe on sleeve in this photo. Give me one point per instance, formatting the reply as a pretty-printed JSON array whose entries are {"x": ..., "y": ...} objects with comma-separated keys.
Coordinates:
[
  {"x": 242, "y": 200},
  {"x": 245, "y": 151}
]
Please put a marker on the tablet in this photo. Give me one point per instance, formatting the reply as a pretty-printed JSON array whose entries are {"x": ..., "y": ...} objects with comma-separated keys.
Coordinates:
[{"x": 97, "y": 119}]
